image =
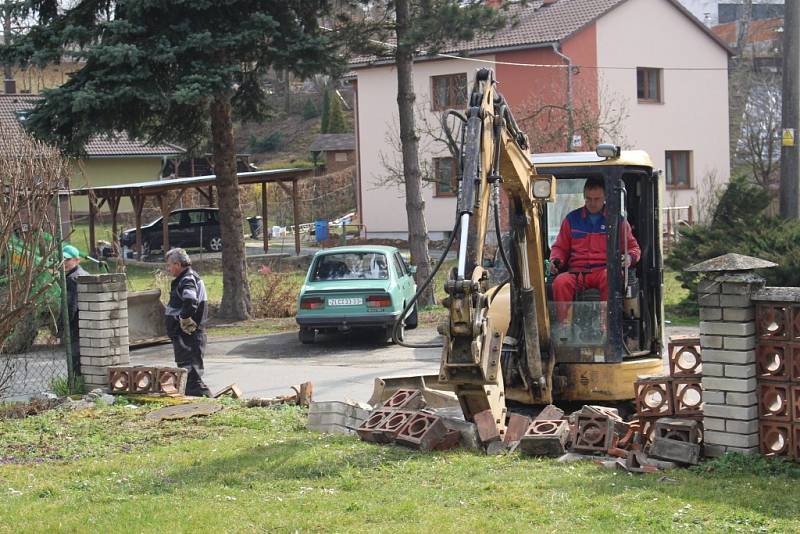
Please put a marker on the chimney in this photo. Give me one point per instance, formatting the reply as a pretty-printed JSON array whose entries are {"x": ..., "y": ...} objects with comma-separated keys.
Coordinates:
[{"x": 10, "y": 86}]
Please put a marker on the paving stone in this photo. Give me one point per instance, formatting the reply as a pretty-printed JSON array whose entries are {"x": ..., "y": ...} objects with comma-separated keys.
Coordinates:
[
  {"x": 717, "y": 397},
  {"x": 711, "y": 342},
  {"x": 711, "y": 314},
  {"x": 727, "y": 329},
  {"x": 734, "y": 301},
  {"x": 739, "y": 427},
  {"x": 739, "y": 371},
  {"x": 738, "y": 314},
  {"x": 742, "y": 413},
  {"x": 729, "y": 384},
  {"x": 729, "y": 356},
  {"x": 730, "y": 439},
  {"x": 741, "y": 399},
  {"x": 739, "y": 343},
  {"x": 713, "y": 369}
]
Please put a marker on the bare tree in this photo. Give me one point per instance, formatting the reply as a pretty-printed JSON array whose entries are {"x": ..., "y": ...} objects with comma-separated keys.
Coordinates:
[
  {"x": 759, "y": 140},
  {"x": 594, "y": 119},
  {"x": 31, "y": 173}
]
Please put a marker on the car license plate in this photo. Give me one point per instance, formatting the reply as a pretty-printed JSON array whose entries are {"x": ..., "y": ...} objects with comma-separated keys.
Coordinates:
[{"x": 352, "y": 301}]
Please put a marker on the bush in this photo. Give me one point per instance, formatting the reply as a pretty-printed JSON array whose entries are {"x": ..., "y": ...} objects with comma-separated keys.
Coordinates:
[
  {"x": 740, "y": 226},
  {"x": 310, "y": 110},
  {"x": 267, "y": 143},
  {"x": 273, "y": 294}
]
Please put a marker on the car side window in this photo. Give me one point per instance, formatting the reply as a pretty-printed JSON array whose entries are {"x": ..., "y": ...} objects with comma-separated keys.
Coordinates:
[
  {"x": 398, "y": 266},
  {"x": 175, "y": 219},
  {"x": 197, "y": 217}
]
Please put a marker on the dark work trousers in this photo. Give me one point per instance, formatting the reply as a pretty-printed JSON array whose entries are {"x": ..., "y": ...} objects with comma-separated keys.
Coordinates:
[
  {"x": 76, "y": 351},
  {"x": 189, "y": 350}
]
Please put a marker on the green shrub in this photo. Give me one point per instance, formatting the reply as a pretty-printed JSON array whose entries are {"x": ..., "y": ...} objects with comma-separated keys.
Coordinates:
[
  {"x": 268, "y": 143},
  {"x": 740, "y": 226},
  {"x": 310, "y": 110}
]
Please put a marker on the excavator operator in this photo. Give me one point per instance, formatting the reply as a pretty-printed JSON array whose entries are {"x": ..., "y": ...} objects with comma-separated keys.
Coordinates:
[{"x": 580, "y": 249}]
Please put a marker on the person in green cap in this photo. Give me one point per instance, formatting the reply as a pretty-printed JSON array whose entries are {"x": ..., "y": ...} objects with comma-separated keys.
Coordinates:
[{"x": 72, "y": 268}]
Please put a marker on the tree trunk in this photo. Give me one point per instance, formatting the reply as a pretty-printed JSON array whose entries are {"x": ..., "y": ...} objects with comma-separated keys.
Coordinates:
[
  {"x": 235, "y": 289},
  {"x": 415, "y": 205}
]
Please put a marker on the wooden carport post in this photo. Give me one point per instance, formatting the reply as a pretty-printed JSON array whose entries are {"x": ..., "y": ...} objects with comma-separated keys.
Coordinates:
[
  {"x": 92, "y": 215},
  {"x": 164, "y": 224},
  {"x": 296, "y": 217},
  {"x": 264, "y": 216},
  {"x": 113, "y": 205},
  {"x": 138, "y": 204}
]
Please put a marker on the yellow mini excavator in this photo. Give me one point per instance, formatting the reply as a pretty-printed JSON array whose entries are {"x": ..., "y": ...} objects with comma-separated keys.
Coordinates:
[{"x": 498, "y": 339}]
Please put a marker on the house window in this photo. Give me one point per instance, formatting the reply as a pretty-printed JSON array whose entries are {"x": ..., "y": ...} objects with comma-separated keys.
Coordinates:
[
  {"x": 340, "y": 156},
  {"x": 679, "y": 169},
  {"x": 445, "y": 172},
  {"x": 648, "y": 84},
  {"x": 449, "y": 91}
]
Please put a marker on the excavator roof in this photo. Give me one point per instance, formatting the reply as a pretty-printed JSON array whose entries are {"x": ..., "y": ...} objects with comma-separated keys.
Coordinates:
[{"x": 627, "y": 157}]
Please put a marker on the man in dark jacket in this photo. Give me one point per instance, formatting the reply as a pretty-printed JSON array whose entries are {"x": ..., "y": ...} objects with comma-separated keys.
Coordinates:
[
  {"x": 186, "y": 315},
  {"x": 72, "y": 268}
]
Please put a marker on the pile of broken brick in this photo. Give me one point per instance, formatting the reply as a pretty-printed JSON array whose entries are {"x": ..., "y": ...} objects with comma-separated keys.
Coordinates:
[{"x": 666, "y": 431}]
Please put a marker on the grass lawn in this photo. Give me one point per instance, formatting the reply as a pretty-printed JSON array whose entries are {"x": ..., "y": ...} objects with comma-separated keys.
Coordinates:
[{"x": 257, "y": 470}]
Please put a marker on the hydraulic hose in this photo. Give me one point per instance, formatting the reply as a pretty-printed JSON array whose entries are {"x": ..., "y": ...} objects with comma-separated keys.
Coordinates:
[{"x": 420, "y": 290}]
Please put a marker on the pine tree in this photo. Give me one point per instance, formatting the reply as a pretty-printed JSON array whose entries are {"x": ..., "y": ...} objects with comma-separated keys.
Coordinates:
[
  {"x": 173, "y": 71},
  {"x": 336, "y": 122},
  {"x": 326, "y": 110}
]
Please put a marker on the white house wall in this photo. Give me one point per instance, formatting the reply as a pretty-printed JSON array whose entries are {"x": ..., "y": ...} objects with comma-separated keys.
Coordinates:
[
  {"x": 378, "y": 132},
  {"x": 694, "y": 112}
]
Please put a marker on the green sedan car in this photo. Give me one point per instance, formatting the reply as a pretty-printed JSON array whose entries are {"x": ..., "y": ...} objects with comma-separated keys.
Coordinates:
[{"x": 355, "y": 287}]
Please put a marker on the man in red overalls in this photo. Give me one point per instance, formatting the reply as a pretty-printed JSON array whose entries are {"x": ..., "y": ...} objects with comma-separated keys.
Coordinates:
[{"x": 580, "y": 249}]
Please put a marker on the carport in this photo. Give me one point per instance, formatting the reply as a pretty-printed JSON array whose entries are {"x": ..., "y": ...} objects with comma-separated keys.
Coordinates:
[{"x": 139, "y": 192}]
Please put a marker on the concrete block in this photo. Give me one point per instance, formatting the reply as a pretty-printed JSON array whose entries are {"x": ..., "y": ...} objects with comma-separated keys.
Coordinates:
[
  {"x": 713, "y": 423},
  {"x": 713, "y": 369},
  {"x": 741, "y": 427},
  {"x": 742, "y": 413},
  {"x": 735, "y": 301},
  {"x": 94, "y": 370},
  {"x": 708, "y": 286},
  {"x": 105, "y": 306},
  {"x": 741, "y": 399},
  {"x": 739, "y": 343},
  {"x": 103, "y": 361},
  {"x": 107, "y": 296},
  {"x": 713, "y": 451},
  {"x": 746, "y": 328},
  {"x": 710, "y": 314},
  {"x": 744, "y": 450},
  {"x": 738, "y": 314},
  {"x": 729, "y": 439},
  {"x": 102, "y": 288},
  {"x": 95, "y": 343},
  {"x": 733, "y": 288},
  {"x": 740, "y": 371},
  {"x": 711, "y": 342},
  {"x": 729, "y": 384},
  {"x": 104, "y": 323},
  {"x": 90, "y": 333},
  {"x": 102, "y": 315},
  {"x": 717, "y": 397},
  {"x": 675, "y": 451},
  {"x": 708, "y": 300},
  {"x": 102, "y": 278},
  {"x": 739, "y": 357}
]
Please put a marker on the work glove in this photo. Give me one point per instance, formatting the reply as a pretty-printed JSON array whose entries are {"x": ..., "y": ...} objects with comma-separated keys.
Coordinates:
[{"x": 188, "y": 326}]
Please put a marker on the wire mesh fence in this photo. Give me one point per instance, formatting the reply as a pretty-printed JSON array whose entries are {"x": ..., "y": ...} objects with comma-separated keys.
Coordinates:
[{"x": 33, "y": 371}]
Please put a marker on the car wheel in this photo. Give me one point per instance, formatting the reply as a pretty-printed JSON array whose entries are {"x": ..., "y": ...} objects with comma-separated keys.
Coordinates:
[
  {"x": 412, "y": 319},
  {"x": 215, "y": 244},
  {"x": 306, "y": 336}
]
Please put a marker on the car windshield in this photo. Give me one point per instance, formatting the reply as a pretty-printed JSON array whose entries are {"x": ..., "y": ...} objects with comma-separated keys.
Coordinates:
[{"x": 351, "y": 266}]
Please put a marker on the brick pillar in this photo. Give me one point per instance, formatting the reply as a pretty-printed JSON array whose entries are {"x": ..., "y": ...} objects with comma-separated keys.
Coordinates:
[
  {"x": 103, "y": 321},
  {"x": 728, "y": 341}
]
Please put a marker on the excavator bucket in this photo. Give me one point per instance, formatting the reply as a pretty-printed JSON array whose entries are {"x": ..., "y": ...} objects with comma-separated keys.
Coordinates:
[{"x": 146, "y": 317}]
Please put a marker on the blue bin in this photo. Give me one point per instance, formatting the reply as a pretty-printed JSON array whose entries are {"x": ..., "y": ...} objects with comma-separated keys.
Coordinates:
[{"x": 321, "y": 230}]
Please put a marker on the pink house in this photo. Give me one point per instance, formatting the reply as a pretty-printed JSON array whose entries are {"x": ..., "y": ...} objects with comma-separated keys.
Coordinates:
[{"x": 646, "y": 67}]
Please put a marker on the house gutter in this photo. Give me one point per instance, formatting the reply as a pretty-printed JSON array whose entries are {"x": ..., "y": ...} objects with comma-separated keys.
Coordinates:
[{"x": 570, "y": 118}]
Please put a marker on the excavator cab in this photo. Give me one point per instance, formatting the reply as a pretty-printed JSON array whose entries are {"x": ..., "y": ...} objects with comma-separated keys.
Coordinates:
[{"x": 629, "y": 324}]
